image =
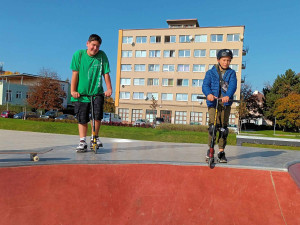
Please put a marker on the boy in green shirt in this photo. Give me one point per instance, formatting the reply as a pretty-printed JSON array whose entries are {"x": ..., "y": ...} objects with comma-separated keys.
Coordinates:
[{"x": 88, "y": 67}]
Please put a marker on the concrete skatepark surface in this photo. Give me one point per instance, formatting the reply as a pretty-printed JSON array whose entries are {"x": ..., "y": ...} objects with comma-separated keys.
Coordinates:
[{"x": 139, "y": 182}]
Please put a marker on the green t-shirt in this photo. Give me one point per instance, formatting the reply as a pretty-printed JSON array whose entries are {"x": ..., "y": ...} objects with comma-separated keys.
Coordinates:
[{"x": 91, "y": 69}]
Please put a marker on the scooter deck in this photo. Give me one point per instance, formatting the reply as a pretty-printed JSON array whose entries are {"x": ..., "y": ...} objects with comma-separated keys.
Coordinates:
[{"x": 32, "y": 152}]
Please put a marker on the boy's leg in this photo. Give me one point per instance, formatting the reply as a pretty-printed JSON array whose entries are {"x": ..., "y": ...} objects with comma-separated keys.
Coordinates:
[
  {"x": 225, "y": 114},
  {"x": 98, "y": 110},
  {"x": 82, "y": 115}
]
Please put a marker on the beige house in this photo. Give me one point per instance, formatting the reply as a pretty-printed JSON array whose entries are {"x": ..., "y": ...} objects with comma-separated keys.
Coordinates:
[{"x": 170, "y": 64}]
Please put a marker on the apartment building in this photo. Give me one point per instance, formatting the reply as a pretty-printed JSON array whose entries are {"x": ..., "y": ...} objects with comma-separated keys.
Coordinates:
[
  {"x": 169, "y": 65},
  {"x": 14, "y": 88}
]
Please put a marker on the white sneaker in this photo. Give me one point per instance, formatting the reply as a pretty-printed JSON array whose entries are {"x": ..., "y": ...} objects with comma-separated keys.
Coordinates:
[
  {"x": 99, "y": 143},
  {"x": 82, "y": 147}
]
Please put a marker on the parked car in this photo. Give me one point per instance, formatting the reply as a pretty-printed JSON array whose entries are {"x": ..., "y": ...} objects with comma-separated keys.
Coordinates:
[
  {"x": 21, "y": 115},
  {"x": 8, "y": 114},
  {"x": 111, "y": 117},
  {"x": 141, "y": 122},
  {"x": 157, "y": 121},
  {"x": 49, "y": 114},
  {"x": 234, "y": 128},
  {"x": 65, "y": 117}
]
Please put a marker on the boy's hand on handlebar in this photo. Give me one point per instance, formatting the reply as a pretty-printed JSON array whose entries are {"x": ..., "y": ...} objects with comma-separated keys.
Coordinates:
[
  {"x": 225, "y": 99},
  {"x": 108, "y": 93},
  {"x": 211, "y": 97},
  {"x": 75, "y": 94}
]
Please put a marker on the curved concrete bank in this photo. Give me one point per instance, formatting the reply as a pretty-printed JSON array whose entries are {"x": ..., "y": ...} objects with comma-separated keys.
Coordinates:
[
  {"x": 141, "y": 194},
  {"x": 294, "y": 171}
]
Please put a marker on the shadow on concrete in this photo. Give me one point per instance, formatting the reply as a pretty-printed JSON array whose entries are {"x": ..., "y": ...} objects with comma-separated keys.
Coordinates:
[{"x": 263, "y": 154}]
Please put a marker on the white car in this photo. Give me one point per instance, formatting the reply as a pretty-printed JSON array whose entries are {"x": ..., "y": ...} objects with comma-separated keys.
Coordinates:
[{"x": 234, "y": 128}]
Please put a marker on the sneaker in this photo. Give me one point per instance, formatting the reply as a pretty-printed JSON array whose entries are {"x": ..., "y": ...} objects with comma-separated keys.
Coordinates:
[
  {"x": 207, "y": 155},
  {"x": 221, "y": 157},
  {"x": 82, "y": 147},
  {"x": 99, "y": 143}
]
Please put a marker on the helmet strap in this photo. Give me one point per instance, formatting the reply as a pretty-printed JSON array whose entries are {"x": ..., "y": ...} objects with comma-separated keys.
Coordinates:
[{"x": 221, "y": 67}]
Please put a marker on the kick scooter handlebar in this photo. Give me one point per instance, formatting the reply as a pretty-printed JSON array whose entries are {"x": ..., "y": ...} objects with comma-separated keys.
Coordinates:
[{"x": 230, "y": 100}]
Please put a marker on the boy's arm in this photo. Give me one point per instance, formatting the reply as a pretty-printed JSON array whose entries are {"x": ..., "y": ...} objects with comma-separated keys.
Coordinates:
[
  {"x": 206, "y": 87},
  {"x": 108, "y": 92},
  {"x": 74, "y": 84}
]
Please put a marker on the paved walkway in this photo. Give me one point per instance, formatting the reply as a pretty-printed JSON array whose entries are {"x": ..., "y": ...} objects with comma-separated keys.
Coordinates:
[{"x": 133, "y": 151}]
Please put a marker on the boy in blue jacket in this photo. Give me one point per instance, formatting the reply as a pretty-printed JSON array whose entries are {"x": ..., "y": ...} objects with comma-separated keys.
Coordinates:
[{"x": 220, "y": 82}]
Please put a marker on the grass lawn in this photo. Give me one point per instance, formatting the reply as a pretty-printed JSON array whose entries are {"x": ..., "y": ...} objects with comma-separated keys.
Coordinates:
[
  {"x": 270, "y": 133},
  {"x": 136, "y": 133}
]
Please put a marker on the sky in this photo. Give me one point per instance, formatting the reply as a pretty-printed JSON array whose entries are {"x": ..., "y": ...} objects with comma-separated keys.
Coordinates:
[{"x": 36, "y": 34}]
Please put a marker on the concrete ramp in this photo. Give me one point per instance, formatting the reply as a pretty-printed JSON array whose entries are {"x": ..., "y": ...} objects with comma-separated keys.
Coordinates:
[{"x": 141, "y": 194}]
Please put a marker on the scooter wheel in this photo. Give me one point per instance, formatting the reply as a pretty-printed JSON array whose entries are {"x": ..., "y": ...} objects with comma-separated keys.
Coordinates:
[{"x": 210, "y": 161}]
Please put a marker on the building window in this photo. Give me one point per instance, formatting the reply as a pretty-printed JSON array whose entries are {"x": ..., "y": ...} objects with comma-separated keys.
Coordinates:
[
  {"x": 196, "y": 118},
  {"x": 136, "y": 114},
  {"x": 199, "y": 53},
  {"x": 183, "y": 68},
  {"x": 183, "y": 82},
  {"x": 233, "y": 37},
  {"x": 184, "y": 53},
  {"x": 8, "y": 96},
  {"x": 124, "y": 95},
  {"x": 167, "y": 82},
  {"x": 18, "y": 95},
  {"x": 127, "y": 40},
  {"x": 182, "y": 97},
  {"x": 170, "y": 39},
  {"x": 213, "y": 52},
  {"x": 210, "y": 66},
  {"x": 138, "y": 95},
  {"x": 197, "y": 83},
  {"x": 154, "y": 53},
  {"x": 139, "y": 67},
  {"x": 138, "y": 81},
  {"x": 234, "y": 67},
  {"x": 167, "y": 96},
  {"x": 232, "y": 118},
  {"x": 150, "y": 95},
  {"x": 207, "y": 119},
  {"x": 126, "y": 67},
  {"x": 124, "y": 114},
  {"x": 153, "y": 82},
  {"x": 155, "y": 39},
  {"x": 140, "y": 53},
  {"x": 126, "y": 54},
  {"x": 216, "y": 37},
  {"x": 125, "y": 81},
  {"x": 184, "y": 38},
  {"x": 151, "y": 114},
  {"x": 169, "y": 53},
  {"x": 195, "y": 99},
  {"x": 141, "y": 39},
  {"x": 153, "y": 67},
  {"x": 180, "y": 117},
  {"x": 201, "y": 38},
  {"x": 198, "y": 68},
  {"x": 235, "y": 52},
  {"x": 168, "y": 68}
]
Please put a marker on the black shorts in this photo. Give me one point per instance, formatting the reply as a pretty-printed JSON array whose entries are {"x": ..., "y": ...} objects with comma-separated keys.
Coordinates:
[{"x": 82, "y": 110}]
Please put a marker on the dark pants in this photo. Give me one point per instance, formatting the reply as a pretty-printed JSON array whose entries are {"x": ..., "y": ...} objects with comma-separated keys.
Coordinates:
[
  {"x": 82, "y": 110},
  {"x": 222, "y": 121}
]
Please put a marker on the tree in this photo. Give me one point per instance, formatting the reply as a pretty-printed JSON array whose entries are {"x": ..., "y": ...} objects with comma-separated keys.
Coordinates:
[
  {"x": 249, "y": 106},
  {"x": 283, "y": 85},
  {"x": 47, "y": 92},
  {"x": 153, "y": 106},
  {"x": 287, "y": 111},
  {"x": 109, "y": 105}
]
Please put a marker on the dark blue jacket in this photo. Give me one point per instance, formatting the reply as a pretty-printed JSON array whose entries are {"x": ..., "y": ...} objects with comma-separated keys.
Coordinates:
[{"x": 211, "y": 85}]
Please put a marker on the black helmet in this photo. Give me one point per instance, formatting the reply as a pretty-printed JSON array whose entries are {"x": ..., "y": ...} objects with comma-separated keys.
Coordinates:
[{"x": 224, "y": 53}]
